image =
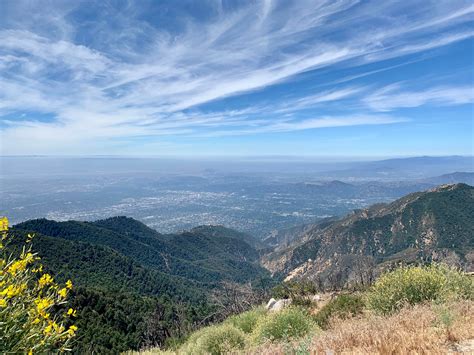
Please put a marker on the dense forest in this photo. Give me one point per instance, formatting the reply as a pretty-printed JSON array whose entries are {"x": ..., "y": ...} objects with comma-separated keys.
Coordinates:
[{"x": 137, "y": 287}]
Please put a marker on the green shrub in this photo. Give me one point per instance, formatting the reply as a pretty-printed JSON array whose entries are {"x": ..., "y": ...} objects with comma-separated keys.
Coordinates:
[
  {"x": 290, "y": 323},
  {"x": 219, "y": 339},
  {"x": 298, "y": 291},
  {"x": 246, "y": 321},
  {"x": 343, "y": 306},
  {"x": 417, "y": 284},
  {"x": 294, "y": 289},
  {"x": 190, "y": 343}
]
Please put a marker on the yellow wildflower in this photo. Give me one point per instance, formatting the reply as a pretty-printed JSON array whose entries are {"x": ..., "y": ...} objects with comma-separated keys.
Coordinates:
[
  {"x": 46, "y": 279},
  {"x": 42, "y": 304},
  {"x": 72, "y": 330},
  {"x": 57, "y": 328},
  {"x": 12, "y": 290},
  {"x": 20, "y": 265},
  {"x": 62, "y": 292},
  {"x": 27, "y": 256},
  {"x": 31, "y": 295},
  {"x": 48, "y": 330},
  {"x": 17, "y": 266},
  {"x": 3, "y": 224},
  {"x": 39, "y": 269},
  {"x": 71, "y": 312}
]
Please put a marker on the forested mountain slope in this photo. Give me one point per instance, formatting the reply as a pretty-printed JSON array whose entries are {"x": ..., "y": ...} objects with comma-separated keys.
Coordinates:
[
  {"x": 201, "y": 254},
  {"x": 434, "y": 225},
  {"x": 133, "y": 285}
]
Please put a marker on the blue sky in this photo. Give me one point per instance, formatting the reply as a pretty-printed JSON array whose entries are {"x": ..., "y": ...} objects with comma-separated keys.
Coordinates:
[{"x": 311, "y": 78}]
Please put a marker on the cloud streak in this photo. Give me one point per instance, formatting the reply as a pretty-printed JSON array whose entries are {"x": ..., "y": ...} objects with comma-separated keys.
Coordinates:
[
  {"x": 393, "y": 97},
  {"x": 134, "y": 78}
]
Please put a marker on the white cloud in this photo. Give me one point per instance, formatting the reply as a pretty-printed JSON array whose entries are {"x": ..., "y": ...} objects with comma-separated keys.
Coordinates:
[
  {"x": 289, "y": 125},
  {"x": 393, "y": 97},
  {"x": 134, "y": 79}
]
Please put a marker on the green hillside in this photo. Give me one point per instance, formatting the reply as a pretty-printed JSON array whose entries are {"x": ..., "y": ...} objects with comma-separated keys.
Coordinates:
[
  {"x": 126, "y": 273},
  {"x": 202, "y": 256}
]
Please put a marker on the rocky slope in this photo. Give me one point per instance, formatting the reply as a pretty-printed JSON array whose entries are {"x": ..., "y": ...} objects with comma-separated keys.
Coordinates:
[{"x": 435, "y": 225}]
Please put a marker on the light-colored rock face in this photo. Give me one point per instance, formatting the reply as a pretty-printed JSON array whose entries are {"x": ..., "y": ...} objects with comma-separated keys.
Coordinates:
[
  {"x": 279, "y": 305},
  {"x": 270, "y": 303},
  {"x": 300, "y": 270}
]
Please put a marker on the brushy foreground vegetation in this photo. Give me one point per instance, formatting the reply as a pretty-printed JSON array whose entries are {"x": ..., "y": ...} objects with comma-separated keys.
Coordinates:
[
  {"x": 417, "y": 309},
  {"x": 34, "y": 316},
  {"x": 413, "y": 285},
  {"x": 420, "y": 329}
]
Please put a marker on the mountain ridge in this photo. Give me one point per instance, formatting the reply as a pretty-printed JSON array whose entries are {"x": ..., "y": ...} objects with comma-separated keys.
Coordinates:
[
  {"x": 229, "y": 257},
  {"x": 432, "y": 225}
]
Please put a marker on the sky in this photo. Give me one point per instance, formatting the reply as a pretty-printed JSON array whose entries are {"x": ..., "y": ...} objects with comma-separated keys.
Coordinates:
[{"x": 206, "y": 78}]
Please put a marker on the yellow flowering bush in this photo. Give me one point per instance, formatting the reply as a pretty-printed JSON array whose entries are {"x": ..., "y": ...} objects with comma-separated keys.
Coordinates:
[{"x": 32, "y": 305}]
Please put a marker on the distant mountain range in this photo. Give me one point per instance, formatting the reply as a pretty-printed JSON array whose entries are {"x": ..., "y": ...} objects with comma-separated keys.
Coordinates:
[
  {"x": 453, "y": 178},
  {"x": 435, "y": 225},
  {"x": 406, "y": 168}
]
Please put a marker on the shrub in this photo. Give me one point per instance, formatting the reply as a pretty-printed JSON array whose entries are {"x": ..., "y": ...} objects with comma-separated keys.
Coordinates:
[
  {"x": 33, "y": 316},
  {"x": 298, "y": 291},
  {"x": 417, "y": 284},
  {"x": 246, "y": 321},
  {"x": 294, "y": 289},
  {"x": 343, "y": 306},
  {"x": 190, "y": 343},
  {"x": 290, "y": 323},
  {"x": 219, "y": 339}
]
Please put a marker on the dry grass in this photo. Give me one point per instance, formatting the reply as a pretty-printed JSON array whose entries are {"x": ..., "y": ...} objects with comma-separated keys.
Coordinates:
[{"x": 423, "y": 329}]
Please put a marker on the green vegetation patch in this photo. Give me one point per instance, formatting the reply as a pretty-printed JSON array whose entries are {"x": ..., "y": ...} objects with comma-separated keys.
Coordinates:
[
  {"x": 298, "y": 291},
  {"x": 344, "y": 306},
  {"x": 246, "y": 321},
  {"x": 290, "y": 323},
  {"x": 417, "y": 284},
  {"x": 220, "y": 339}
]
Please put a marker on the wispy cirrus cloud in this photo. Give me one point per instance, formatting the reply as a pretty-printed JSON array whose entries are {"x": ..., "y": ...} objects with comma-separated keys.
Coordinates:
[
  {"x": 292, "y": 125},
  {"x": 120, "y": 74},
  {"x": 394, "y": 96}
]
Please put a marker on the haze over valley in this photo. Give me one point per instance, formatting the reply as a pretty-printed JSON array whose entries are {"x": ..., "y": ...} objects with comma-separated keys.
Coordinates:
[{"x": 257, "y": 197}]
